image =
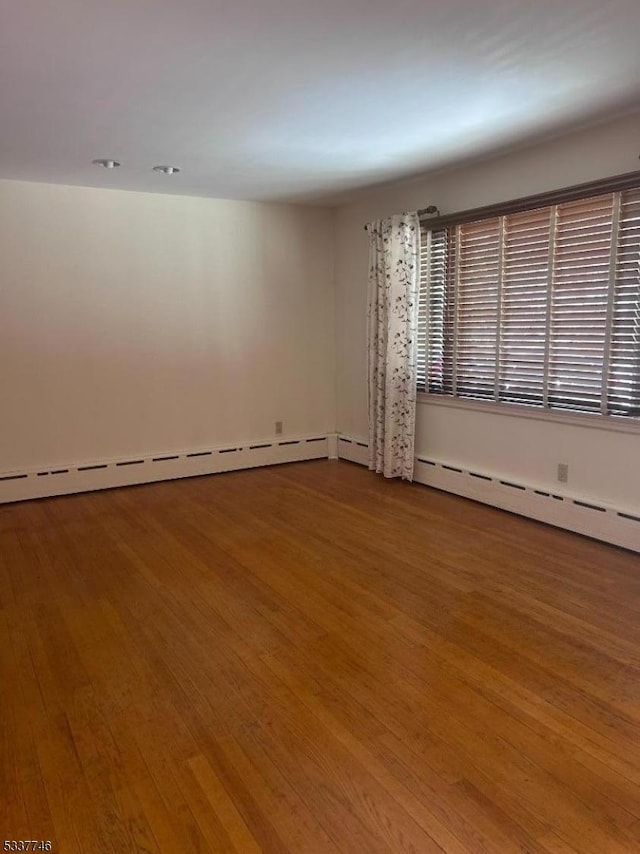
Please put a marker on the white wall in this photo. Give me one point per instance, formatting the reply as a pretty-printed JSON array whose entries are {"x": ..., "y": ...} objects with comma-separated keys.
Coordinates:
[
  {"x": 604, "y": 465},
  {"x": 132, "y": 323}
]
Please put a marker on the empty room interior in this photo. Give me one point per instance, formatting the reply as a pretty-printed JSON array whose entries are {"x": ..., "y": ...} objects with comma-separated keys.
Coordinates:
[{"x": 320, "y": 426}]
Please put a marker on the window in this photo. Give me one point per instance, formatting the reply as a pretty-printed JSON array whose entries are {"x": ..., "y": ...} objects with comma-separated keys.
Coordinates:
[{"x": 539, "y": 307}]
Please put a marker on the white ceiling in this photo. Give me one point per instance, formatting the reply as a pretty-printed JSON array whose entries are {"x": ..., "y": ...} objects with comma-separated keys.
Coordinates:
[{"x": 298, "y": 99}]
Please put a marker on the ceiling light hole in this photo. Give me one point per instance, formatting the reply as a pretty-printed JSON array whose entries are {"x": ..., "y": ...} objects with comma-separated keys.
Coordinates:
[
  {"x": 105, "y": 162},
  {"x": 166, "y": 170}
]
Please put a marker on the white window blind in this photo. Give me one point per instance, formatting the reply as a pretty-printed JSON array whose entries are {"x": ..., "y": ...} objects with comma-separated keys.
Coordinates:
[{"x": 540, "y": 307}]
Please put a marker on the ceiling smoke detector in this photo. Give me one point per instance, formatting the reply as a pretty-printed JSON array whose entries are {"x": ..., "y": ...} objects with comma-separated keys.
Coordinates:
[
  {"x": 106, "y": 163},
  {"x": 166, "y": 170}
]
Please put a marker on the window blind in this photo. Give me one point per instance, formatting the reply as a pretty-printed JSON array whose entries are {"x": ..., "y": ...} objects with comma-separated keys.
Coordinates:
[
  {"x": 623, "y": 387},
  {"x": 540, "y": 307}
]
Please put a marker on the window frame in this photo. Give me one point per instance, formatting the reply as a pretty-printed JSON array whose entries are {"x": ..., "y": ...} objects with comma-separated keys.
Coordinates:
[{"x": 598, "y": 420}]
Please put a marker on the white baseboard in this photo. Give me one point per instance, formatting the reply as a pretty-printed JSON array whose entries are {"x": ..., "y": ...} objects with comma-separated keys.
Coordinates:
[
  {"x": 584, "y": 515},
  {"x": 147, "y": 468},
  {"x": 354, "y": 450}
]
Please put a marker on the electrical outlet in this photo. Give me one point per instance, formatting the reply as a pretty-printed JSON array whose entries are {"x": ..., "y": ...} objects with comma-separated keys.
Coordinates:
[
  {"x": 278, "y": 428},
  {"x": 563, "y": 472}
]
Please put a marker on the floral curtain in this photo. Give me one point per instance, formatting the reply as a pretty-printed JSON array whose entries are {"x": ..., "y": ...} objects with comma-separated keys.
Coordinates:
[{"x": 392, "y": 332}]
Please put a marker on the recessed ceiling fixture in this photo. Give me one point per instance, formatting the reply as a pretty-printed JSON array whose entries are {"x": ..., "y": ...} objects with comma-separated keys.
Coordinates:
[
  {"x": 106, "y": 163},
  {"x": 166, "y": 170}
]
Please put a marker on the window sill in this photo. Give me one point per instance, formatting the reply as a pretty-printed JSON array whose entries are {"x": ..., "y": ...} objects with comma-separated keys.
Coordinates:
[{"x": 513, "y": 410}]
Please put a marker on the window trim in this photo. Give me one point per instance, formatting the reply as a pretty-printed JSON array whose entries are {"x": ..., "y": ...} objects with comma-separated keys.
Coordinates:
[{"x": 590, "y": 420}]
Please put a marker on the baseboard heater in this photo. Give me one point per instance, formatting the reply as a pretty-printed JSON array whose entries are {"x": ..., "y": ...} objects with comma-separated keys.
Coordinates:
[
  {"x": 148, "y": 468},
  {"x": 583, "y": 515}
]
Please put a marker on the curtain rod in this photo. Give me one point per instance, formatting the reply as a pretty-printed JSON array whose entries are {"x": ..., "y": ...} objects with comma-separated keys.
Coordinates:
[
  {"x": 430, "y": 210},
  {"x": 614, "y": 184}
]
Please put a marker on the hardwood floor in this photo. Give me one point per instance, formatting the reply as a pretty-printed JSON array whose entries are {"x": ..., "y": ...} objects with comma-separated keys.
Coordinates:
[{"x": 310, "y": 659}]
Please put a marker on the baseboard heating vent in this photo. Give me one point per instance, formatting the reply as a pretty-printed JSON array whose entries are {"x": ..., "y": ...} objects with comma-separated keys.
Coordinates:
[
  {"x": 512, "y": 485},
  {"x": 589, "y": 506},
  {"x": 611, "y": 524},
  {"x": 86, "y": 476},
  {"x": 354, "y": 449}
]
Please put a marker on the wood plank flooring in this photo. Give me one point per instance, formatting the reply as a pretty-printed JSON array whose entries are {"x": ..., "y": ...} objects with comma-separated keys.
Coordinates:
[{"x": 307, "y": 658}]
